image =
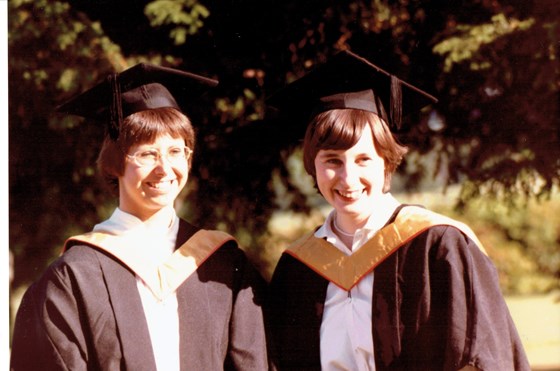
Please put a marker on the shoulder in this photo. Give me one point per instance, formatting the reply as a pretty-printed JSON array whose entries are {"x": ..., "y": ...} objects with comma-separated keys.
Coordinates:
[
  {"x": 444, "y": 246},
  {"x": 76, "y": 268},
  {"x": 76, "y": 257},
  {"x": 204, "y": 237},
  {"x": 291, "y": 268},
  {"x": 79, "y": 253},
  {"x": 227, "y": 263},
  {"x": 83, "y": 259},
  {"x": 221, "y": 248},
  {"x": 421, "y": 222}
]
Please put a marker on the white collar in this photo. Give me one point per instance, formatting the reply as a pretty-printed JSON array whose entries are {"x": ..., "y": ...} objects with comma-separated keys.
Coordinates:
[
  {"x": 158, "y": 231},
  {"x": 373, "y": 224},
  {"x": 122, "y": 222}
]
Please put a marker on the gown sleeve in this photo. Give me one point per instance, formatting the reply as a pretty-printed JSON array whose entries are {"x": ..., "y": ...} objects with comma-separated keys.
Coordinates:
[
  {"x": 480, "y": 330},
  {"x": 247, "y": 344},
  {"x": 294, "y": 312},
  {"x": 47, "y": 330}
]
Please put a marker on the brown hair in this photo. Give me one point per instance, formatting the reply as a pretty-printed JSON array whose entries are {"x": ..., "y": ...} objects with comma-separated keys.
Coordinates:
[
  {"x": 141, "y": 127},
  {"x": 340, "y": 129}
]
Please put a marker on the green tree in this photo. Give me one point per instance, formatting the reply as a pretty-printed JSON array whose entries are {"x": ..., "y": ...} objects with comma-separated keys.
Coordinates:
[
  {"x": 53, "y": 54},
  {"x": 493, "y": 64}
]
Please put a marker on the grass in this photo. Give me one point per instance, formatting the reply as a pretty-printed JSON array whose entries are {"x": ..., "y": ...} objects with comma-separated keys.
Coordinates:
[{"x": 537, "y": 318}]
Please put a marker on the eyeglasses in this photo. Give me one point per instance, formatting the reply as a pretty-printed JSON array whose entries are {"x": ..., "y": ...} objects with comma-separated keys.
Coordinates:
[{"x": 150, "y": 157}]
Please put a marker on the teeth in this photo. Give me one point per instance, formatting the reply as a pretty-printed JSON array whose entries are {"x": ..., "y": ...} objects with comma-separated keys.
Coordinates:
[
  {"x": 352, "y": 195},
  {"x": 160, "y": 185}
]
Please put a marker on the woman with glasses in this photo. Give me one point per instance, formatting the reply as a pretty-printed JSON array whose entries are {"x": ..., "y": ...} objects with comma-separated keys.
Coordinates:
[
  {"x": 144, "y": 290},
  {"x": 379, "y": 285}
]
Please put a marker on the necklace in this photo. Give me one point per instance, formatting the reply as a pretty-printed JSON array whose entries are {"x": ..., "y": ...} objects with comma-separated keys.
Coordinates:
[{"x": 341, "y": 230}]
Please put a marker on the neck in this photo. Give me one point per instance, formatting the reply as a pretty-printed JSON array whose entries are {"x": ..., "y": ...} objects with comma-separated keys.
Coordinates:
[
  {"x": 340, "y": 230},
  {"x": 161, "y": 217},
  {"x": 345, "y": 237}
]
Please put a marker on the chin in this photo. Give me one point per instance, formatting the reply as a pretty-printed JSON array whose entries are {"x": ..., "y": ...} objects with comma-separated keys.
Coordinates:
[{"x": 160, "y": 204}]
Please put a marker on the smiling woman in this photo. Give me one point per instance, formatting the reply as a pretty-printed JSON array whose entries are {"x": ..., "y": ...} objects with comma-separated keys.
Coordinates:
[
  {"x": 144, "y": 290},
  {"x": 379, "y": 285},
  {"x": 349, "y": 169},
  {"x": 145, "y": 180},
  {"x": 145, "y": 189}
]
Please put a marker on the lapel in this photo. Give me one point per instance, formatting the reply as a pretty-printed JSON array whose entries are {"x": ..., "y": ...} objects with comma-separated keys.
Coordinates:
[
  {"x": 346, "y": 271},
  {"x": 129, "y": 316},
  {"x": 165, "y": 278}
]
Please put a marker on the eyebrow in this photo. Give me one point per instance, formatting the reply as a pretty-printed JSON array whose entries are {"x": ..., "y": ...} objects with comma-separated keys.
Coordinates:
[
  {"x": 329, "y": 153},
  {"x": 337, "y": 152},
  {"x": 153, "y": 146}
]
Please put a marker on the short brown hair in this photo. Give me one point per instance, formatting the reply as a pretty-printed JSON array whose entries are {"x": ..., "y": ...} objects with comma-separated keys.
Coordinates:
[
  {"x": 141, "y": 127},
  {"x": 340, "y": 129}
]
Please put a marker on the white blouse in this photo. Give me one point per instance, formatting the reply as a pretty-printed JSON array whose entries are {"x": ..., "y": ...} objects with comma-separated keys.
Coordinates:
[
  {"x": 156, "y": 240},
  {"x": 346, "y": 328}
]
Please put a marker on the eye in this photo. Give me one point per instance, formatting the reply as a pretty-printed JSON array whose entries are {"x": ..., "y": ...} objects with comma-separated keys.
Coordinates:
[
  {"x": 148, "y": 155},
  {"x": 364, "y": 160},
  {"x": 333, "y": 161},
  {"x": 176, "y": 152},
  {"x": 330, "y": 160}
]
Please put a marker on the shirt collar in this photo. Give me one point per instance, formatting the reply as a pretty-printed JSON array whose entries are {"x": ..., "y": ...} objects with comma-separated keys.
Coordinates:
[
  {"x": 362, "y": 235},
  {"x": 121, "y": 222},
  {"x": 326, "y": 231},
  {"x": 160, "y": 230}
]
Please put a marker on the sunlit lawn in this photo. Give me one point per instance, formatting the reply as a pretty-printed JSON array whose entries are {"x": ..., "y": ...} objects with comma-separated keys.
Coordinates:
[{"x": 538, "y": 321}]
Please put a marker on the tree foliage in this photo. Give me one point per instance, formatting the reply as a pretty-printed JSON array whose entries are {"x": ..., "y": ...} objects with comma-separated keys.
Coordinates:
[
  {"x": 185, "y": 17},
  {"x": 508, "y": 121},
  {"x": 493, "y": 65},
  {"x": 52, "y": 187}
]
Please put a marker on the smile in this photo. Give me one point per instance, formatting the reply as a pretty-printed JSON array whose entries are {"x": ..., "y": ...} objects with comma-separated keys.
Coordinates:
[
  {"x": 161, "y": 184},
  {"x": 349, "y": 195}
]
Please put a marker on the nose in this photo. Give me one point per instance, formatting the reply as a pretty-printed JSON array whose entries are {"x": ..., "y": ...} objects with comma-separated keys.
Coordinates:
[
  {"x": 349, "y": 173},
  {"x": 163, "y": 165}
]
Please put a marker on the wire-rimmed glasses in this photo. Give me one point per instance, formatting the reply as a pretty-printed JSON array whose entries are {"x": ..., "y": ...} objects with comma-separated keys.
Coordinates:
[{"x": 151, "y": 156}]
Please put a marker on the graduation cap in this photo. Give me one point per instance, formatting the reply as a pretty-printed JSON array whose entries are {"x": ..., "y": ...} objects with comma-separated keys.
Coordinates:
[
  {"x": 141, "y": 87},
  {"x": 350, "y": 81}
]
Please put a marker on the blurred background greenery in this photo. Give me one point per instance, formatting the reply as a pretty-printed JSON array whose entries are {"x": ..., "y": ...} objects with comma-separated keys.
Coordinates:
[{"x": 488, "y": 153}]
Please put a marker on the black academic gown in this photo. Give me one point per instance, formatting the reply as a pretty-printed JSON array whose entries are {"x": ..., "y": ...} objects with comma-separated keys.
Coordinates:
[
  {"x": 85, "y": 313},
  {"x": 436, "y": 306}
]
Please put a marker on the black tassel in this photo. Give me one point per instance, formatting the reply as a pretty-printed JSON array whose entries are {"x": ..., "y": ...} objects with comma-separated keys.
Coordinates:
[
  {"x": 396, "y": 102},
  {"x": 115, "y": 110}
]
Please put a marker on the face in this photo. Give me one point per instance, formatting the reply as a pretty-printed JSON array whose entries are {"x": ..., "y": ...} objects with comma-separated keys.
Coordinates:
[
  {"x": 144, "y": 190},
  {"x": 352, "y": 180}
]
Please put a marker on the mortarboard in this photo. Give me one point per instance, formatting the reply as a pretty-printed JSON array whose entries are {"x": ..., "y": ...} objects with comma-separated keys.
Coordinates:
[
  {"x": 143, "y": 86},
  {"x": 350, "y": 81}
]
